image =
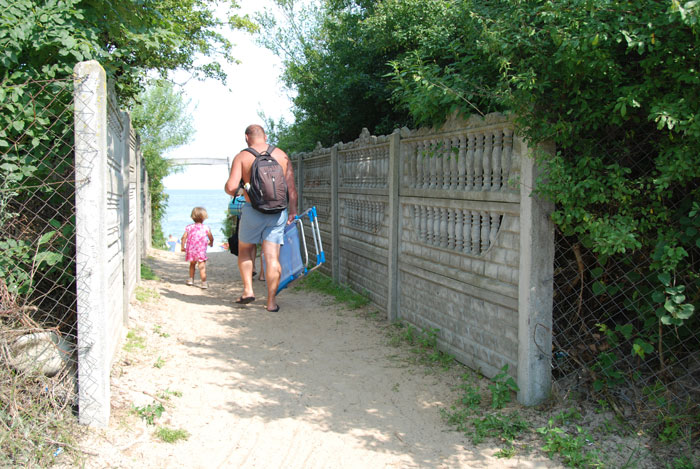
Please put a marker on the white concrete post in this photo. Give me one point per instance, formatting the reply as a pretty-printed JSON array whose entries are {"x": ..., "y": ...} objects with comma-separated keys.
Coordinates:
[
  {"x": 335, "y": 216},
  {"x": 394, "y": 225},
  {"x": 90, "y": 202},
  {"x": 535, "y": 289}
]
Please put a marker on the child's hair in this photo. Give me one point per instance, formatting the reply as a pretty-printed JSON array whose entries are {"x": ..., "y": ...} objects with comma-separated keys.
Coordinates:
[{"x": 199, "y": 214}]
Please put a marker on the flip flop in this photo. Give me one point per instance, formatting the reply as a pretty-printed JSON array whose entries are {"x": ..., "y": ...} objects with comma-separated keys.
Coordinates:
[
  {"x": 245, "y": 300},
  {"x": 273, "y": 310}
]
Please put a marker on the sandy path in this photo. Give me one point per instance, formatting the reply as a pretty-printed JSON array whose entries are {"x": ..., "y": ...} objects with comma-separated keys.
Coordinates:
[{"x": 312, "y": 386}]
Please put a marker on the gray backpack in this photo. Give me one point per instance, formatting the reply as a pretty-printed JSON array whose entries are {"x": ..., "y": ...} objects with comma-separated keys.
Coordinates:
[{"x": 268, "y": 185}]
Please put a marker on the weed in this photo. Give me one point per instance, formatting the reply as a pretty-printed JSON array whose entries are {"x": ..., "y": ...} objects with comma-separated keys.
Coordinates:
[
  {"x": 458, "y": 417},
  {"x": 508, "y": 427},
  {"x": 506, "y": 453},
  {"x": 144, "y": 294},
  {"x": 159, "y": 363},
  {"x": 567, "y": 416},
  {"x": 171, "y": 435},
  {"x": 395, "y": 387},
  {"x": 341, "y": 293},
  {"x": 501, "y": 388},
  {"x": 571, "y": 448},
  {"x": 167, "y": 393},
  {"x": 134, "y": 342},
  {"x": 158, "y": 329},
  {"x": 471, "y": 398},
  {"x": 149, "y": 412},
  {"x": 36, "y": 419},
  {"x": 147, "y": 273},
  {"x": 683, "y": 462}
]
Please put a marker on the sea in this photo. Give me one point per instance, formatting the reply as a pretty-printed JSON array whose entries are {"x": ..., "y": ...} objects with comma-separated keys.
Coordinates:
[{"x": 180, "y": 205}]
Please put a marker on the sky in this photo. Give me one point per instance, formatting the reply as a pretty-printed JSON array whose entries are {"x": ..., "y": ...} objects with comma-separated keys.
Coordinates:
[{"x": 222, "y": 112}]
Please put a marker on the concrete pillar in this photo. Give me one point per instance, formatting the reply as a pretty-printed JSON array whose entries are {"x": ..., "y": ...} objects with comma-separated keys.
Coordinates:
[
  {"x": 335, "y": 216},
  {"x": 535, "y": 289},
  {"x": 91, "y": 264},
  {"x": 300, "y": 183},
  {"x": 394, "y": 225}
]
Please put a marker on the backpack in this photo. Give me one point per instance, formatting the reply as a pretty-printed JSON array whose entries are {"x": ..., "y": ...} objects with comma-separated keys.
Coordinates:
[{"x": 268, "y": 185}]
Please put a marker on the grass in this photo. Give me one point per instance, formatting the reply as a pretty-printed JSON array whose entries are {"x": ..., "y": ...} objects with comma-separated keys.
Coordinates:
[
  {"x": 159, "y": 363},
  {"x": 134, "y": 342},
  {"x": 147, "y": 273},
  {"x": 319, "y": 282},
  {"x": 145, "y": 294},
  {"x": 171, "y": 435},
  {"x": 36, "y": 419}
]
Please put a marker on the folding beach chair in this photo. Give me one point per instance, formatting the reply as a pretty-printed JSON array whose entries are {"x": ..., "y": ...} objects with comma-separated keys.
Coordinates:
[{"x": 294, "y": 266}]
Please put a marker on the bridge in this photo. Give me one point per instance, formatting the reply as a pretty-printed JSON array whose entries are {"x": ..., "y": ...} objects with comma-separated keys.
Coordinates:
[{"x": 200, "y": 161}]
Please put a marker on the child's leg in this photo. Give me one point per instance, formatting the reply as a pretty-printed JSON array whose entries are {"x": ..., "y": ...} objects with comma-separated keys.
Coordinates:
[
  {"x": 190, "y": 281},
  {"x": 203, "y": 271}
]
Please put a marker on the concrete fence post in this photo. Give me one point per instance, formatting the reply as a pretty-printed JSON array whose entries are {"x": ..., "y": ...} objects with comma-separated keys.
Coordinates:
[
  {"x": 394, "y": 225},
  {"x": 91, "y": 264},
  {"x": 335, "y": 215},
  {"x": 300, "y": 183},
  {"x": 125, "y": 181},
  {"x": 535, "y": 288}
]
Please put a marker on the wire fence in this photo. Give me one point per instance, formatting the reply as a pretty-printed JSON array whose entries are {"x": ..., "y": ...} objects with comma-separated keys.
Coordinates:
[
  {"x": 38, "y": 320},
  {"x": 623, "y": 332}
]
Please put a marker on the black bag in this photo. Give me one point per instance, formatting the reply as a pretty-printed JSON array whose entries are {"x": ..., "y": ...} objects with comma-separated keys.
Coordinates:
[
  {"x": 268, "y": 185},
  {"x": 233, "y": 239}
]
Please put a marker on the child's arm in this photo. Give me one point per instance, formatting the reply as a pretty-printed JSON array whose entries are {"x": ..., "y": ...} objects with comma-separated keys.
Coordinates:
[
  {"x": 183, "y": 241},
  {"x": 211, "y": 237}
]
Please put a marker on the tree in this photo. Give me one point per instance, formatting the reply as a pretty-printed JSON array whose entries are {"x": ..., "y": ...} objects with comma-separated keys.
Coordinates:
[
  {"x": 163, "y": 122},
  {"x": 45, "y": 39},
  {"x": 337, "y": 72}
]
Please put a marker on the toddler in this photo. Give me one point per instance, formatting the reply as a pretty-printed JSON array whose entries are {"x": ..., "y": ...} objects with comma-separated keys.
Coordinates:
[{"x": 194, "y": 244}]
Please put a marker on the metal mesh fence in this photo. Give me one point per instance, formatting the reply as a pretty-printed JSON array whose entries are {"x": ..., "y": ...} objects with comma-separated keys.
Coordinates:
[
  {"x": 38, "y": 319},
  {"x": 620, "y": 331}
]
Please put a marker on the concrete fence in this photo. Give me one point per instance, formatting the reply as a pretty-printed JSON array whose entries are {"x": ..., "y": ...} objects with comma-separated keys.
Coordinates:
[
  {"x": 441, "y": 229},
  {"x": 112, "y": 232}
]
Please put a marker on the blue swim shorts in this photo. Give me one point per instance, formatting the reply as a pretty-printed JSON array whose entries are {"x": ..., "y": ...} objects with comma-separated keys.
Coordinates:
[{"x": 257, "y": 227}]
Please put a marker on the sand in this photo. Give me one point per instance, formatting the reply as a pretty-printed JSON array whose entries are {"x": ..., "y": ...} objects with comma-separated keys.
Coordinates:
[{"x": 315, "y": 385}]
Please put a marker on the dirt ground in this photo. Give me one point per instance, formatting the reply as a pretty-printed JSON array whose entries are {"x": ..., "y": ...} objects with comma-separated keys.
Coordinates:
[{"x": 314, "y": 385}]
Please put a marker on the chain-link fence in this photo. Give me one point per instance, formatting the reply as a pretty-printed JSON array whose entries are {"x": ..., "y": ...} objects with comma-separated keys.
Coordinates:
[
  {"x": 38, "y": 321},
  {"x": 625, "y": 331}
]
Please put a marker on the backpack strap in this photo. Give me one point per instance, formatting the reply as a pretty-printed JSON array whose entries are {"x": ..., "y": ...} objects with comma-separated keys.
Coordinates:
[
  {"x": 270, "y": 149},
  {"x": 253, "y": 151}
]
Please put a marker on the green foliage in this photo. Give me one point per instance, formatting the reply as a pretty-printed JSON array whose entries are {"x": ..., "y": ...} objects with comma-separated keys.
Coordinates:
[
  {"x": 145, "y": 294},
  {"x": 506, "y": 427},
  {"x": 149, "y": 412},
  {"x": 572, "y": 448},
  {"x": 134, "y": 341},
  {"x": 342, "y": 293},
  {"x": 147, "y": 273},
  {"x": 45, "y": 39},
  {"x": 338, "y": 73},
  {"x": 502, "y": 386},
  {"x": 172, "y": 435}
]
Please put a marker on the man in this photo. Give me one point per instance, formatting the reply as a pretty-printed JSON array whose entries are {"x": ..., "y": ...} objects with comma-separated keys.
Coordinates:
[{"x": 257, "y": 227}]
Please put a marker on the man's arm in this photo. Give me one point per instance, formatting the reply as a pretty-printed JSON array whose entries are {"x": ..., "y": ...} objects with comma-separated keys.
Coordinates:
[
  {"x": 291, "y": 189},
  {"x": 234, "y": 178}
]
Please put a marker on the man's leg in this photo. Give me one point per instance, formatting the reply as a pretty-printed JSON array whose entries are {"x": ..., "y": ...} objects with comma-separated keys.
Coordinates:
[
  {"x": 246, "y": 258},
  {"x": 273, "y": 271}
]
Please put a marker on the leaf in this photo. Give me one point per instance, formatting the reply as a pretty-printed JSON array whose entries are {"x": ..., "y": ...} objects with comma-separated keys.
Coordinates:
[
  {"x": 625, "y": 330},
  {"x": 686, "y": 311},
  {"x": 46, "y": 237},
  {"x": 665, "y": 278},
  {"x": 50, "y": 258},
  {"x": 598, "y": 288},
  {"x": 641, "y": 348}
]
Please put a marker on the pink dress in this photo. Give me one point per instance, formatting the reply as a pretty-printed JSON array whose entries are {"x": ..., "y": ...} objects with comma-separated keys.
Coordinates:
[{"x": 197, "y": 241}]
